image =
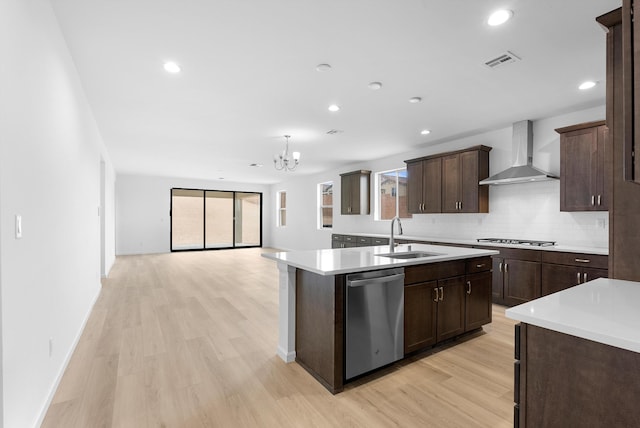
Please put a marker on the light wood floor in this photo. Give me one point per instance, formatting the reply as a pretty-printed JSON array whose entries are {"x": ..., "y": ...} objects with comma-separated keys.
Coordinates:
[{"x": 189, "y": 340}]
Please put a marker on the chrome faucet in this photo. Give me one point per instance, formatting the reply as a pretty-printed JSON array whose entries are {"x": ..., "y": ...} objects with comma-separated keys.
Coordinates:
[{"x": 391, "y": 242}]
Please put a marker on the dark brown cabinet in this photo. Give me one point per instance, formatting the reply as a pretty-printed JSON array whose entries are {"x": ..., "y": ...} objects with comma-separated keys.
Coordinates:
[
  {"x": 354, "y": 192},
  {"x": 478, "y": 293},
  {"x": 583, "y": 150},
  {"x": 445, "y": 300},
  {"x": 516, "y": 276},
  {"x": 460, "y": 176},
  {"x": 424, "y": 190},
  {"x": 420, "y": 315},
  {"x": 563, "y": 270},
  {"x": 448, "y": 182}
]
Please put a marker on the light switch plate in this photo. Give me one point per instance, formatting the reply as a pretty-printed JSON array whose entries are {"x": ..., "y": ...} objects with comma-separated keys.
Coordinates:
[{"x": 18, "y": 226}]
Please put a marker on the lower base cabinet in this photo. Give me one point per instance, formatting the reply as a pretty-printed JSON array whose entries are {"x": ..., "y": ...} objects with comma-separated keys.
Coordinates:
[
  {"x": 562, "y": 381},
  {"x": 445, "y": 300}
]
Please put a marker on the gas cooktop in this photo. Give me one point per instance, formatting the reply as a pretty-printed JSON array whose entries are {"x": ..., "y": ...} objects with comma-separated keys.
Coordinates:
[{"x": 518, "y": 242}]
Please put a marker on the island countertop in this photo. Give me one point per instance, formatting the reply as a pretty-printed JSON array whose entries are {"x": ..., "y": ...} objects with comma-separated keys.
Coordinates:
[
  {"x": 359, "y": 259},
  {"x": 603, "y": 310}
]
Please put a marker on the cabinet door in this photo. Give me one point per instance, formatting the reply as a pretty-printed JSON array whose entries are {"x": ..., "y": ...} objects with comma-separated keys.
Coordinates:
[
  {"x": 578, "y": 170},
  {"x": 432, "y": 186},
  {"x": 346, "y": 183},
  {"x": 602, "y": 197},
  {"x": 420, "y": 309},
  {"x": 521, "y": 281},
  {"x": 469, "y": 182},
  {"x": 450, "y": 183},
  {"x": 497, "y": 282},
  {"x": 451, "y": 308},
  {"x": 558, "y": 277},
  {"x": 478, "y": 300},
  {"x": 414, "y": 187},
  {"x": 589, "y": 274}
]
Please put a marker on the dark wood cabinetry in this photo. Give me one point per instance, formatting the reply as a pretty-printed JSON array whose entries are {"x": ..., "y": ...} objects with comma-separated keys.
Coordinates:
[
  {"x": 445, "y": 300},
  {"x": 461, "y": 173},
  {"x": 477, "y": 294},
  {"x": 583, "y": 150},
  {"x": 348, "y": 241},
  {"x": 563, "y": 270},
  {"x": 516, "y": 276},
  {"x": 566, "y": 381},
  {"x": 424, "y": 190},
  {"x": 448, "y": 182},
  {"x": 354, "y": 192}
]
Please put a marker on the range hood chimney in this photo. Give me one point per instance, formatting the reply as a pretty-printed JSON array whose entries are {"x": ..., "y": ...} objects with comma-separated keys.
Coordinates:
[{"x": 522, "y": 170}]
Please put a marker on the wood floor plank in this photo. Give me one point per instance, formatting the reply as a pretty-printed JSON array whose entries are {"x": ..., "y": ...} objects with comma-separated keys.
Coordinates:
[{"x": 189, "y": 340}]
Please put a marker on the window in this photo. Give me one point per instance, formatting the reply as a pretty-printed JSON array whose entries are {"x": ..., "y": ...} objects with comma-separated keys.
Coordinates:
[
  {"x": 282, "y": 208},
  {"x": 325, "y": 205},
  {"x": 208, "y": 219},
  {"x": 391, "y": 194}
]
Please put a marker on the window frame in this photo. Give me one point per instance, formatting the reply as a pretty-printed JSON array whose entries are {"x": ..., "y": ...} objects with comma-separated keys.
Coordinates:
[
  {"x": 280, "y": 209},
  {"x": 321, "y": 206},
  {"x": 395, "y": 194}
]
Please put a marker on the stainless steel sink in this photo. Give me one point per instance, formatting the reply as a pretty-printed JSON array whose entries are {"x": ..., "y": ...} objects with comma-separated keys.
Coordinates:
[{"x": 409, "y": 255}]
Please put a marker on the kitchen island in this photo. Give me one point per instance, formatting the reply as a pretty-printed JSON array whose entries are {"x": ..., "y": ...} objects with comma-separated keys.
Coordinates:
[
  {"x": 312, "y": 288},
  {"x": 578, "y": 357}
]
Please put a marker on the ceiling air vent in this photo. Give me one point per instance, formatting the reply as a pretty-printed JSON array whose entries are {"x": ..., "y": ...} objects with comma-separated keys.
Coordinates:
[{"x": 504, "y": 59}]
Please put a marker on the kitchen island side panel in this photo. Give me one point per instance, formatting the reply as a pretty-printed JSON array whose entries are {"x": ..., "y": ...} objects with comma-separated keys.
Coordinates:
[
  {"x": 569, "y": 381},
  {"x": 319, "y": 327}
]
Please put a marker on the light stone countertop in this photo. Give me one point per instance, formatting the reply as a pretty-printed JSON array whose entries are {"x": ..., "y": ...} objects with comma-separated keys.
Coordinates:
[
  {"x": 603, "y": 310},
  {"x": 359, "y": 259},
  {"x": 473, "y": 242}
]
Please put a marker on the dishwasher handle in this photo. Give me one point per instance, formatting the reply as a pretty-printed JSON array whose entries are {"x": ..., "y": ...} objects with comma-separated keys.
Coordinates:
[{"x": 376, "y": 280}]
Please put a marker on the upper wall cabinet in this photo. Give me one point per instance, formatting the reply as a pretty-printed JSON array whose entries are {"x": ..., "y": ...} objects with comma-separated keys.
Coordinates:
[
  {"x": 448, "y": 182},
  {"x": 582, "y": 167},
  {"x": 355, "y": 191}
]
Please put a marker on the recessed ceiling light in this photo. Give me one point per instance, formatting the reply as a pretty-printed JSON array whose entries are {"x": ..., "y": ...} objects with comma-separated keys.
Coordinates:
[
  {"x": 499, "y": 17},
  {"x": 425, "y": 132},
  {"x": 587, "y": 85},
  {"x": 375, "y": 86},
  {"x": 323, "y": 67},
  {"x": 415, "y": 100},
  {"x": 334, "y": 107},
  {"x": 171, "y": 67}
]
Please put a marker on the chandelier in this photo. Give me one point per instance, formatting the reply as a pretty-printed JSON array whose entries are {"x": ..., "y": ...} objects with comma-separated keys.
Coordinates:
[{"x": 285, "y": 162}]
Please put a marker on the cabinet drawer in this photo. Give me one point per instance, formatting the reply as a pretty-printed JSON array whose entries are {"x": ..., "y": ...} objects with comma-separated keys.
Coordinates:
[
  {"x": 576, "y": 259},
  {"x": 480, "y": 264},
  {"x": 518, "y": 254},
  {"x": 337, "y": 238},
  {"x": 433, "y": 271},
  {"x": 364, "y": 241},
  {"x": 349, "y": 238},
  {"x": 380, "y": 241}
]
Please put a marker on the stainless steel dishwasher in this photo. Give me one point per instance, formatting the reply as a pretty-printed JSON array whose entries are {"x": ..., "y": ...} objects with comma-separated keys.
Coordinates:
[{"x": 374, "y": 320}]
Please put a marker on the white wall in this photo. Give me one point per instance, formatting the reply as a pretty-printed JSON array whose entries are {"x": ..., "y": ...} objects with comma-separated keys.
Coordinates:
[
  {"x": 142, "y": 210},
  {"x": 50, "y": 155},
  {"x": 526, "y": 211}
]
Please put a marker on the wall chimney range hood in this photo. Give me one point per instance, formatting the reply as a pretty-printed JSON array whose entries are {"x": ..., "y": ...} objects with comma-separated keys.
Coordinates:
[{"x": 522, "y": 170}]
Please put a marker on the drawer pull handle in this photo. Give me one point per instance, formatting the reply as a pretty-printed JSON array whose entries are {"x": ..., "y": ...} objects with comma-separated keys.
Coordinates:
[
  {"x": 441, "y": 294},
  {"x": 578, "y": 277},
  {"x": 583, "y": 260},
  {"x": 584, "y": 277},
  {"x": 501, "y": 267},
  {"x": 593, "y": 200},
  {"x": 599, "y": 200},
  {"x": 436, "y": 290},
  {"x": 480, "y": 266},
  {"x": 469, "y": 285}
]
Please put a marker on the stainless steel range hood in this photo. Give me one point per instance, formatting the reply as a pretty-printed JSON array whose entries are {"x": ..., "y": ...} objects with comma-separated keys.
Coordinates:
[{"x": 522, "y": 170}]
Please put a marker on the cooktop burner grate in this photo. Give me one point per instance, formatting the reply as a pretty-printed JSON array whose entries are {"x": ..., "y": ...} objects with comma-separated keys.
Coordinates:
[{"x": 518, "y": 242}]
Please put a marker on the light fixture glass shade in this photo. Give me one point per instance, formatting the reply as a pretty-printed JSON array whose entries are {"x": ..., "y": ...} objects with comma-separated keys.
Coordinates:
[{"x": 296, "y": 156}]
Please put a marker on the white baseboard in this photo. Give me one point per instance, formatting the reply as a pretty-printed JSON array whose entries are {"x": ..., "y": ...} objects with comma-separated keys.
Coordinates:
[{"x": 287, "y": 357}]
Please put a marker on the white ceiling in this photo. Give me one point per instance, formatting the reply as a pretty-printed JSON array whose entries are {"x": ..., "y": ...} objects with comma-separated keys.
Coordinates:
[{"x": 248, "y": 76}]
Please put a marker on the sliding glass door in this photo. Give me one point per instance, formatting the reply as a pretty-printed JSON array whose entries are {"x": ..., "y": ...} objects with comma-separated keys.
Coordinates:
[{"x": 213, "y": 219}]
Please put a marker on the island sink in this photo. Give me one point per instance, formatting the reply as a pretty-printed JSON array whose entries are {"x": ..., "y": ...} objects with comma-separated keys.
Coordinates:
[{"x": 409, "y": 255}]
